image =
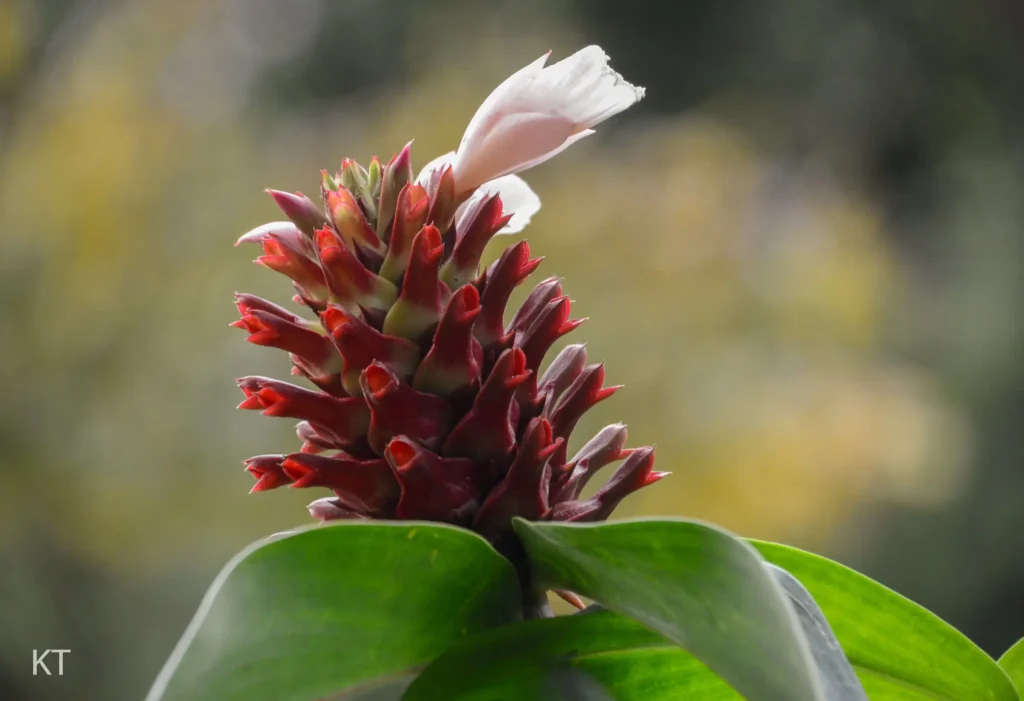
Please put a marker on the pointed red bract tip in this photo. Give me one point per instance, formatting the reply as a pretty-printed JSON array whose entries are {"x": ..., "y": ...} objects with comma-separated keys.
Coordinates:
[
  {"x": 401, "y": 452},
  {"x": 300, "y": 209},
  {"x": 253, "y": 402},
  {"x": 404, "y": 157},
  {"x": 442, "y": 199},
  {"x": 654, "y": 477},
  {"x": 464, "y": 305},
  {"x": 518, "y": 373},
  {"x": 396, "y": 409},
  {"x": 268, "y": 471},
  {"x": 335, "y": 318},
  {"x": 379, "y": 380},
  {"x": 453, "y": 362},
  {"x": 325, "y": 240},
  {"x": 429, "y": 248},
  {"x": 606, "y": 392},
  {"x": 421, "y": 287},
  {"x": 301, "y": 475},
  {"x": 498, "y": 282}
]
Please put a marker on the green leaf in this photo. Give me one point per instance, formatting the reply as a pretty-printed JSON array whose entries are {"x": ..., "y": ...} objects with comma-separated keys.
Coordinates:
[
  {"x": 594, "y": 655},
  {"x": 900, "y": 650},
  {"x": 837, "y": 676},
  {"x": 1013, "y": 662},
  {"x": 350, "y": 611},
  {"x": 603, "y": 656},
  {"x": 696, "y": 584}
]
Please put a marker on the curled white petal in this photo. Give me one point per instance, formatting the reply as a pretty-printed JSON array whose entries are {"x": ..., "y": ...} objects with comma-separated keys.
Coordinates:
[
  {"x": 537, "y": 113},
  {"x": 516, "y": 197},
  {"x": 437, "y": 164}
]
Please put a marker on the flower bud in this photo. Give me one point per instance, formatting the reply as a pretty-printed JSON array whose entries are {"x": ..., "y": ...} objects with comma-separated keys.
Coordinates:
[
  {"x": 545, "y": 291},
  {"x": 351, "y": 284},
  {"x": 563, "y": 371},
  {"x": 433, "y": 488},
  {"x": 474, "y": 229},
  {"x": 419, "y": 306},
  {"x": 354, "y": 178},
  {"x": 397, "y": 409},
  {"x": 488, "y": 430},
  {"x": 454, "y": 359},
  {"x": 343, "y": 419},
  {"x": 282, "y": 256},
  {"x": 315, "y": 349},
  {"x": 312, "y": 440},
  {"x": 635, "y": 473},
  {"x": 268, "y": 472},
  {"x": 524, "y": 491},
  {"x": 367, "y": 486},
  {"x": 550, "y": 323},
  {"x": 350, "y": 221},
  {"x": 499, "y": 281},
  {"x": 360, "y": 345},
  {"x": 373, "y": 179},
  {"x": 301, "y": 210},
  {"x": 584, "y": 393},
  {"x": 397, "y": 173},
  {"x": 327, "y": 182},
  {"x": 247, "y": 303},
  {"x": 443, "y": 200},
  {"x": 410, "y": 216},
  {"x": 608, "y": 446}
]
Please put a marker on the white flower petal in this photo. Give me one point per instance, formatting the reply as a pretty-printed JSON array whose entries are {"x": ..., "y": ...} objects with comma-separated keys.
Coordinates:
[
  {"x": 566, "y": 144},
  {"x": 515, "y": 139},
  {"x": 537, "y": 113},
  {"x": 485, "y": 116},
  {"x": 590, "y": 90},
  {"x": 437, "y": 164},
  {"x": 516, "y": 197}
]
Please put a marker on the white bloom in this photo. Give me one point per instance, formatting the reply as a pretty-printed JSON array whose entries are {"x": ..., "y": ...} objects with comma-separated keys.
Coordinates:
[
  {"x": 539, "y": 112},
  {"x": 516, "y": 196},
  {"x": 535, "y": 114}
]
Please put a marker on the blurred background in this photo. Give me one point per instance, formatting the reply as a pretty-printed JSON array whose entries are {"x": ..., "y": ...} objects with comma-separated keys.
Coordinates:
[{"x": 801, "y": 253}]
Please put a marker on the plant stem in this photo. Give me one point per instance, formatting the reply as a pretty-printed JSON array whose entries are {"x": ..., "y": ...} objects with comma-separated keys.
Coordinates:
[{"x": 536, "y": 605}]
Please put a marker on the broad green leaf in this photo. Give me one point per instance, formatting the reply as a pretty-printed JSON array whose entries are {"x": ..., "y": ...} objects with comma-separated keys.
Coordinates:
[
  {"x": 901, "y": 651},
  {"x": 837, "y": 676},
  {"x": 595, "y": 656},
  {"x": 696, "y": 584},
  {"x": 350, "y": 611},
  {"x": 1013, "y": 662},
  {"x": 604, "y": 656}
]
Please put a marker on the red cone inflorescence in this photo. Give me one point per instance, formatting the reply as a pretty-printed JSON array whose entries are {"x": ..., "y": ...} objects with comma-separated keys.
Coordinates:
[{"x": 422, "y": 402}]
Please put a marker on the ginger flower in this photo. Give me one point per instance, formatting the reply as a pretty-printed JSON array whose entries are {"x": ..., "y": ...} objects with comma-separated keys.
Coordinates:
[{"x": 421, "y": 395}]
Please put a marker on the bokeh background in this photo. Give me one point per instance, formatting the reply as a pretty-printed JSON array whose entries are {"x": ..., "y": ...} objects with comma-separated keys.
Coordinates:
[{"x": 801, "y": 254}]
